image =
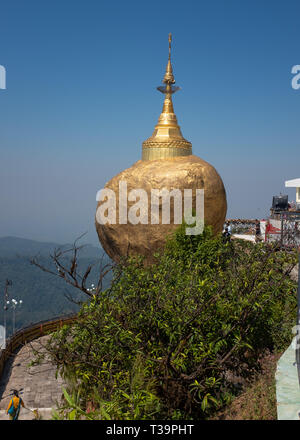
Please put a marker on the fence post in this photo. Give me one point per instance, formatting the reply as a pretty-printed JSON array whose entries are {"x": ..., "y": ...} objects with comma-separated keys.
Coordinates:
[{"x": 281, "y": 233}]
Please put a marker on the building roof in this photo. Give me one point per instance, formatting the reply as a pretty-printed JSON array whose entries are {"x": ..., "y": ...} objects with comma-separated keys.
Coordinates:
[{"x": 295, "y": 183}]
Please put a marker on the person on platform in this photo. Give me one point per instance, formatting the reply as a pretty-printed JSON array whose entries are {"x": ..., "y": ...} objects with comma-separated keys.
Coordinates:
[
  {"x": 14, "y": 406},
  {"x": 228, "y": 225},
  {"x": 268, "y": 230},
  {"x": 257, "y": 231},
  {"x": 226, "y": 235}
]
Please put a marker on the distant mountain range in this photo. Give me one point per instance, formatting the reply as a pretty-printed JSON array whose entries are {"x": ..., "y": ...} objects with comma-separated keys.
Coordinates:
[
  {"x": 43, "y": 295},
  {"x": 15, "y": 246}
]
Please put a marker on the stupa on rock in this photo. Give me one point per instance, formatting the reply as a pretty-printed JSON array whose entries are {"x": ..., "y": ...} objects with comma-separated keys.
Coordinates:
[{"x": 167, "y": 164}]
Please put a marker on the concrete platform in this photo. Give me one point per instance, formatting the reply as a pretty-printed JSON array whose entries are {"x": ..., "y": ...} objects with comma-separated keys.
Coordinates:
[
  {"x": 41, "y": 389},
  {"x": 287, "y": 386}
]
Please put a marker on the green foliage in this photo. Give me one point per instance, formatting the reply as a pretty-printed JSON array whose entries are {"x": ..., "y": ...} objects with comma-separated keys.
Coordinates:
[{"x": 169, "y": 341}]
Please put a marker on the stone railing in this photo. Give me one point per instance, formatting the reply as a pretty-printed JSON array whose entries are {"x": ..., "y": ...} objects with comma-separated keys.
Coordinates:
[{"x": 28, "y": 334}]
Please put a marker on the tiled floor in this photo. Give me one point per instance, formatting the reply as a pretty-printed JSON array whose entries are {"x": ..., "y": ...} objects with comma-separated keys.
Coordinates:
[{"x": 40, "y": 387}]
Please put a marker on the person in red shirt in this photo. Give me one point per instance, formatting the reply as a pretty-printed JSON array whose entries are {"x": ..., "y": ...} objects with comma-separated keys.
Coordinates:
[{"x": 268, "y": 229}]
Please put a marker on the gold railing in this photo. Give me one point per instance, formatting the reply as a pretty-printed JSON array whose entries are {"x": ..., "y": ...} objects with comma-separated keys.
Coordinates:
[{"x": 30, "y": 333}]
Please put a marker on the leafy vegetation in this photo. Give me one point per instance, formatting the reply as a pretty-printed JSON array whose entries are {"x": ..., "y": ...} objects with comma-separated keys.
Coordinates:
[{"x": 178, "y": 339}]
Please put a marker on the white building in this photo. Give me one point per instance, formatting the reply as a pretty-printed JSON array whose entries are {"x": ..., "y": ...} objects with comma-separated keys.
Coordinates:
[{"x": 295, "y": 183}]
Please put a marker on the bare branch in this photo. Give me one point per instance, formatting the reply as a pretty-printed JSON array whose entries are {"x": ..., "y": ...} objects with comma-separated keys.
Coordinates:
[{"x": 67, "y": 269}]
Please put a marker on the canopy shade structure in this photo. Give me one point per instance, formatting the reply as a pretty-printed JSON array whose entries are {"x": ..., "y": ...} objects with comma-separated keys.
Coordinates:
[{"x": 295, "y": 183}]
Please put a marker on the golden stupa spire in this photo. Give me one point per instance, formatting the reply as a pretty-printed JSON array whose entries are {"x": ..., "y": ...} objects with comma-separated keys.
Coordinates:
[
  {"x": 169, "y": 77},
  {"x": 166, "y": 140}
]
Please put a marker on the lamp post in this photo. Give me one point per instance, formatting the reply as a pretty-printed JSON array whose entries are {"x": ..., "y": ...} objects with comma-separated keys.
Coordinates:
[
  {"x": 14, "y": 304},
  {"x": 8, "y": 283},
  {"x": 92, "y": 289}
]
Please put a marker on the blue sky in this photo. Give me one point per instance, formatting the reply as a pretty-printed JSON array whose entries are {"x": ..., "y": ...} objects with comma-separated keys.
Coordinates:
[{"x": 81, "y": 98}]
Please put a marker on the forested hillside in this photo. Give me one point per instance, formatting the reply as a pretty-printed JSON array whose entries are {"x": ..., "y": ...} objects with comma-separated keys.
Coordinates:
[{"x": 43, "y": 295}]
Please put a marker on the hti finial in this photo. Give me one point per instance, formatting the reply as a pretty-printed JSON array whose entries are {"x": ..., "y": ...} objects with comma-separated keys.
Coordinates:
[{"x": 169, "y": 78}]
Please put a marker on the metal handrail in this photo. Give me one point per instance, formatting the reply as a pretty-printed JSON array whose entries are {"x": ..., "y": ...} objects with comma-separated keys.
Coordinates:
[{"x": 31, "y": 332}]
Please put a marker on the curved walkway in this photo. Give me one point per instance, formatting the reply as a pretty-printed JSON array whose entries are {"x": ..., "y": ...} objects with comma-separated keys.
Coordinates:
[{"x": 41, "y": 390}]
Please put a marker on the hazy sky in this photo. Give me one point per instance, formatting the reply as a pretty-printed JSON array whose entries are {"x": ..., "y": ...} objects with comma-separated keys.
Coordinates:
[{"x": 81, "y": 99}]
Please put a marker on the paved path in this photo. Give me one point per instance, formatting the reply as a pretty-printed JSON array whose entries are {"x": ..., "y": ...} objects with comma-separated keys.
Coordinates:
[
  {"x": 287, "y": 385},
  {"x": 41, "y": 390}
]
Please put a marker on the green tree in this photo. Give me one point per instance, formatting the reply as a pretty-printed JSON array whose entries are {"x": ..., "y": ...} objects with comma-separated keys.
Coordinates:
[{"x": 177, "y": 339}]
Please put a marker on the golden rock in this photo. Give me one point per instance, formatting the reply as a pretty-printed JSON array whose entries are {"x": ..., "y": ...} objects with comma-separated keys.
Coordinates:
[
  {"x": 186, "y": 172},
  {"x": 167, "y": 163}
]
